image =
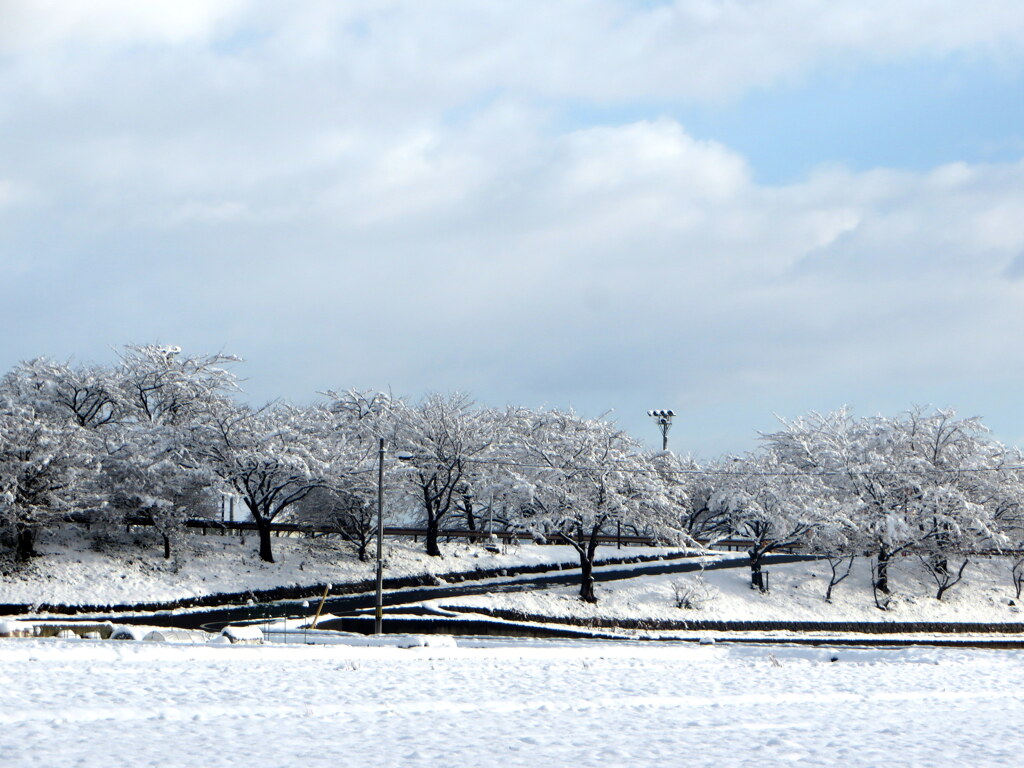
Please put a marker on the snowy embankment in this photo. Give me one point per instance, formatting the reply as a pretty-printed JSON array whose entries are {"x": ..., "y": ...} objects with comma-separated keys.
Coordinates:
[
  {"x": 796, "y": 595},
  {"x": 601, "y": 705},
  {"x": 124, "y": 571},
  {"x": 76, "y": 569}
]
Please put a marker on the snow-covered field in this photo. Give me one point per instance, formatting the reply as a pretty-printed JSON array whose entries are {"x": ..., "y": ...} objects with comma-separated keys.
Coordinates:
[
  {"x": 797, "y": 594},
  {"x": 93, "y": 703},
  {"x": 74, "y": 569}
]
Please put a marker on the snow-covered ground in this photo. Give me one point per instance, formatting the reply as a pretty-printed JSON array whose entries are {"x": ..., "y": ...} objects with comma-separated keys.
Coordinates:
[
  {"x": 130, "y": 570},
  {"x": 797, "y": 594},
  {"x": 74, "y": 569},
  {"x": 94, "y": 703}
]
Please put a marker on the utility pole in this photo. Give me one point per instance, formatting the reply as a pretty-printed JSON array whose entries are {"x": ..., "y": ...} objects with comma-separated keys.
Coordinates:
[
  {"x": 663, "y": 418},
  {"x": 378, "y": 620}
]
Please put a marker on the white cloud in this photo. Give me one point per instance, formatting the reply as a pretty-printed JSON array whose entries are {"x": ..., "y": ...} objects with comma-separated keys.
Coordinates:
[
  {"x": 377, "y": 193},
  {"x": 200, "y": 212},
  {"x": 657, "y": 155},
  {"x": 10, "y": 193},
  {"x": 31, "y": 25},
  {"x": 596, "y": 50}
]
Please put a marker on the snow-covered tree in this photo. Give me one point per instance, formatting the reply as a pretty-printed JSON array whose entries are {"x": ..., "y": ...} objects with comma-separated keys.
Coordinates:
[
  {"x": 87, "y": 394},
  {"x": 272, "y": 457},
  {"x": 45, "y": 459},
  {"x": 150, "y": 473},
  {"x": 160, "y": 395},
  {"x": 351, "y": 516},
  {"x": 348, "y": 500},
  {"x": 690, "y": 488},
  {"x": 953, "y": 461},
  {"x": 920, "y": 483},
  {"x": 585, "y": 476},
  {"x": 445, "y": 438},
  {"x": 854, "y": 456},
  {"x": 766, "y": 501},
  {"x": 1003, "y": 490},
  {"x": 837, "y": 540},
  {"x": 162, "y": 385}
]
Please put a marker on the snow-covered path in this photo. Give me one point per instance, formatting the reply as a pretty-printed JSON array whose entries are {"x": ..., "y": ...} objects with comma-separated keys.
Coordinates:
[{"x": 98, "y": 704}]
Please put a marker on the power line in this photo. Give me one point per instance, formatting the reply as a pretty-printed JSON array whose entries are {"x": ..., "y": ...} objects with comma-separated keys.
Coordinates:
[{"x": 739, "y": 472}]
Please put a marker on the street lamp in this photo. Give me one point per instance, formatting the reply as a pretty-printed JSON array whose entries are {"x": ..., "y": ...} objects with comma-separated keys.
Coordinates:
[
  {"x": 663, "y": 418},
  {"x": 378, "y": 617}
]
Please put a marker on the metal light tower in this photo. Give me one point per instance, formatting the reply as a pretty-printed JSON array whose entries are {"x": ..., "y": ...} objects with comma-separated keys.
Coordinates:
[{"x": 663, "y": 418}]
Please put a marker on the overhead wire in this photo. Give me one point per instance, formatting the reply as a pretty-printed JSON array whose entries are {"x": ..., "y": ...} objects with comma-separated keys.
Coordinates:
[{"x": 739, "y": 471}]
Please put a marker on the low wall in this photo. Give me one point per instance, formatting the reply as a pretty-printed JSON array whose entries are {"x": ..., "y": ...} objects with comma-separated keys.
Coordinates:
[{"x": 708, "y": 625}]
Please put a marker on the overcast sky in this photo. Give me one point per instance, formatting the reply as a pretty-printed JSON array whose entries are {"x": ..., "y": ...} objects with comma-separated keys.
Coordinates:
[{"x": 731, "y": 208}]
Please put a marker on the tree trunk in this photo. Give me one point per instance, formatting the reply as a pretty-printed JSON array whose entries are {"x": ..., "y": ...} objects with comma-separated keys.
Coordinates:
[
  {"x": 263, "y": 528},
  {"x": 882, "y": 573},
  {"x": 756, "y": 576},
  {"x": 25, "y": 544},
  {"x": 835, "y": 578},
  {"x": 945, "y": 580},
  {"x": 942, "y": 544},
  {"x": 588, "y": 555},
  {"x": 433, "y": 525},
  {"x": 167, "y": 546},
  {"x": 470, "y": 517},
  {"x": 587, "y": 593}
]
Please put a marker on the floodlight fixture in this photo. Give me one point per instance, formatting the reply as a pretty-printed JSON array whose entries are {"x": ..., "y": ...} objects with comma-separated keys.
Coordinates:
[{"x": 663, "y": 418}]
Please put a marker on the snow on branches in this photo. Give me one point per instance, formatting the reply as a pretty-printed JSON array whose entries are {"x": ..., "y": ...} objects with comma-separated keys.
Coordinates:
[{"x": 159, "y": 435}]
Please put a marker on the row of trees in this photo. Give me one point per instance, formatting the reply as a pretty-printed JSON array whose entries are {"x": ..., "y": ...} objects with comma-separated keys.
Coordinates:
[
  {"x": 161, "y": 434},
  {"x": 927, "y": 485}
]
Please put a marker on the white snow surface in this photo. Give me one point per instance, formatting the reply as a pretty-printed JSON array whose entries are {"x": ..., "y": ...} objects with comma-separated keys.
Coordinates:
[
  {"x": 75, "y": 569},
  {"x": 248, "y": 633},
  {"x": 130, "y": 570},
  {"x": 796, "y": 593},
  {"x": 93, "y": 703}
]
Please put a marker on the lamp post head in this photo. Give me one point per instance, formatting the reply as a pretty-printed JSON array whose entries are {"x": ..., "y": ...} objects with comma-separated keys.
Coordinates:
[{"x": 663, "y": 418}]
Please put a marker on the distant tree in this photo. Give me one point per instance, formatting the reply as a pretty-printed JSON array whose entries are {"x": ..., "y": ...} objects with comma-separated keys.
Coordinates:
[
  {"x": 836, "y": 539},
  {"x": 272, "y": 457},
  {"x": 162, "y": 385},
  {"x": 494, "y": 492},
  {"x": 352, "y": 516},
  {"x": 348, "y": 502},
  {"x": 920, "y": 483},
  {"x": 1003, "y": 490},
  {"x": 689, "y": 488},
  {"x": 87, "y": 394},
  {"x": 584, "y": 477},
  {"x": 765, "y": 501},
  {"x": 445, "y": 438},
  {"x": 150, "y": 474},
  {"x": 855, "y": 457},
  {"x": 159, "y": 395},
  {"x": 45, "y": 459},
  {"x": 955, "y": 514}
]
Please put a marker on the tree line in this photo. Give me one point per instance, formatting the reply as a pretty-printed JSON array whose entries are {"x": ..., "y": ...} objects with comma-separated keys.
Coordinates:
[{"x": 162, "y": 434}]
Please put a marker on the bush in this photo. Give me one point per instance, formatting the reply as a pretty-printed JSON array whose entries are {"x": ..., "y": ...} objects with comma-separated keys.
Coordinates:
[{"x": 692, "y": 594}]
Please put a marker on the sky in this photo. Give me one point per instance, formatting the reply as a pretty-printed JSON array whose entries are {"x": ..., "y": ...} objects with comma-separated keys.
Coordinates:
[{"x": 736, "y": 209}]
